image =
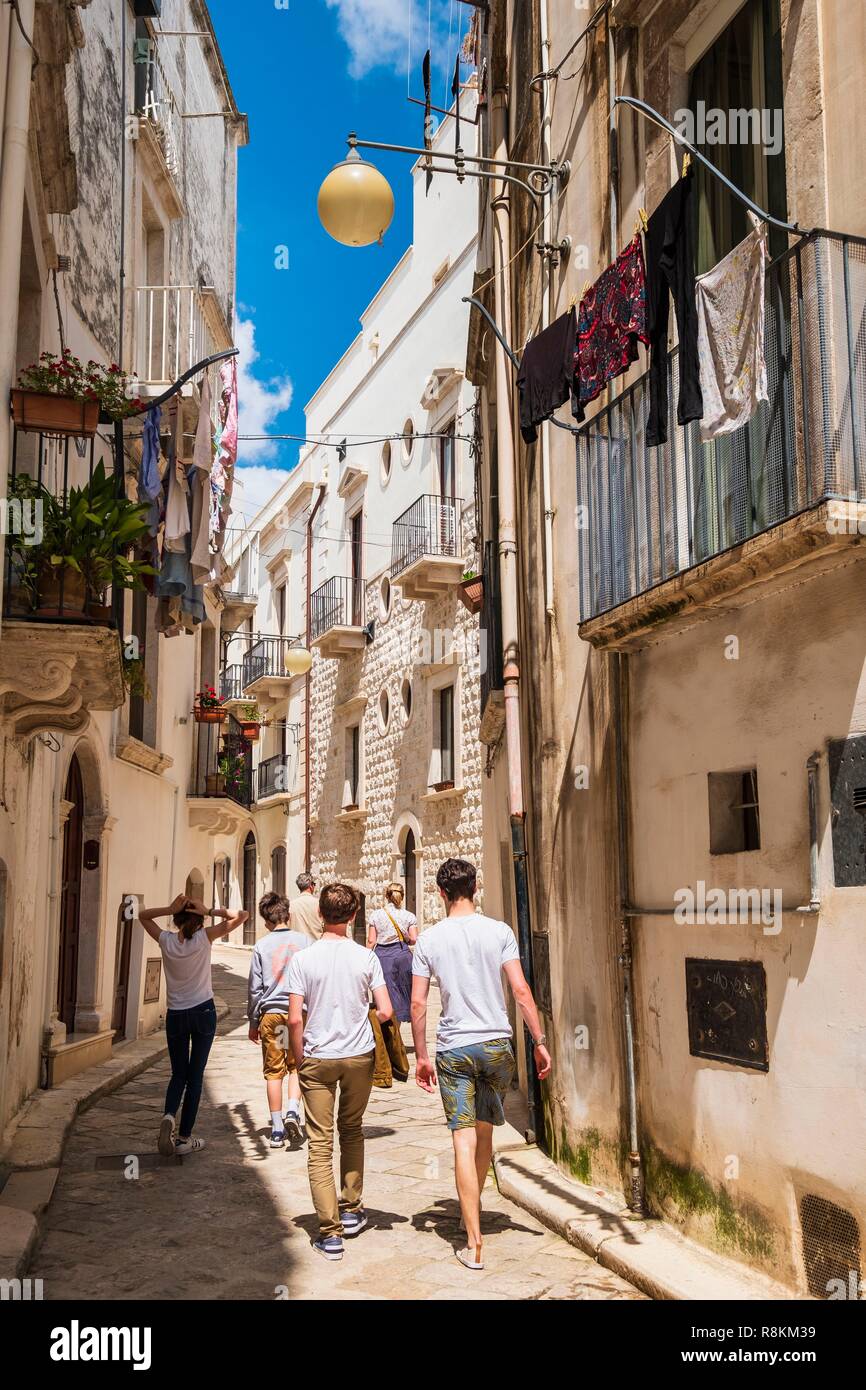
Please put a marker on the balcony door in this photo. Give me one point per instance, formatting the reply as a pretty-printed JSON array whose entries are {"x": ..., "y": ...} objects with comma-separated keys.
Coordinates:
[
  {"x": 70, "y": 898},
  {"x": 249, "y": 888},
  {"x": 356, "y": 549},
  {"x": 410, "y": 874},
  {"x": 447, "y": 470}
]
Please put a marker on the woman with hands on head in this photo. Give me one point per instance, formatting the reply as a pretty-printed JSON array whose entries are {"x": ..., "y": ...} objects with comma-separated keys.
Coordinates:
[{"x": 190, "y": 1020}]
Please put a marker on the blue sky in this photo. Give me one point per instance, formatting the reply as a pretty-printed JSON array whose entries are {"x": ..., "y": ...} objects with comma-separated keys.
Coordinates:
[{"x": 307, "y": 72}]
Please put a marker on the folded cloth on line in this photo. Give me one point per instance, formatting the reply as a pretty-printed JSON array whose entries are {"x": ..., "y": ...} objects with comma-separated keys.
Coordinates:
[{"x": 730, "y": 300}]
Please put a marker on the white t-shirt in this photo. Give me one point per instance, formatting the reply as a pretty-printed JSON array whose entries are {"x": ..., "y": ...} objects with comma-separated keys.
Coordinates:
[
  {"x": 187, "y": 968},
  {"x": 381, "y": 919},
  {"x": 335, "y": 976},
  {"x": 466, "y": 954}
]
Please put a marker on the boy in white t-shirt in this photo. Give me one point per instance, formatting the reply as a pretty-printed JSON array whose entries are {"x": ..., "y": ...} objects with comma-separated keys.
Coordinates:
[
  {"x": 334, "y": 1046},
  {"x": 474, "y": 1057},
  {"x": 268, "y": 1010}
]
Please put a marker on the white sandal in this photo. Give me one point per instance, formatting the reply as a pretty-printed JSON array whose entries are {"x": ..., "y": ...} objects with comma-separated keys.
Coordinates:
[{"x": 472, "y": 1259}]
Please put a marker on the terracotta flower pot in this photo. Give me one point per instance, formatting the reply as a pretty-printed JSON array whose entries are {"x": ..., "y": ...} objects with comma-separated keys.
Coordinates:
[
  {"x": 64, "y": 599},
  {"x": 213, "y": 715},
  {"x": 249, "y": 730},
  {"x": 52, "y": 414},
  {"x": 471, "y": 593}
]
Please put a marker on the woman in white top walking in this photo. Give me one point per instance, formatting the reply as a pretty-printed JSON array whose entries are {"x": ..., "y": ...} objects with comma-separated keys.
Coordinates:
[
  {"x": 190, "y": 1021},
  {"x": 391, "y": 930}
]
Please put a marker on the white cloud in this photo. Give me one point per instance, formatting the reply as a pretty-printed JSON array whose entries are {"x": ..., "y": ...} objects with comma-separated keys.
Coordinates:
[
  {"x": 259, "y": 402},
  {"x": 376, "y": 32},
  {"x": 255, "y": 485}
]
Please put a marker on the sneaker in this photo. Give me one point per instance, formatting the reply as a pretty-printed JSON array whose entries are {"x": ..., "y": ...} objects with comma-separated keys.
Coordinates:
[
  {"x": 329, "y": 1246},
  {"x": 188, "y": 1146},
  {"x": 295, "y": 1132},
  {"x": 278, "y": 1138},
  {"x": 353, "y": 1223},
  {"x": 165, "y": 1142},
  {"x": 472, "y": 1259}
]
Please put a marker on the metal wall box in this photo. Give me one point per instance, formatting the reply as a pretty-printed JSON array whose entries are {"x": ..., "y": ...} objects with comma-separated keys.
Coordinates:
[
  {"x": 846, "y": 759},
  {"x": 726, "y": 1003}
]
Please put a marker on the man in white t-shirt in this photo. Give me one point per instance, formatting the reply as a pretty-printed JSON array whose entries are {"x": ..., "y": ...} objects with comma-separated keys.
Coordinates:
[
  {"x": 468, "y": 954},
  {"x": 334, "y": 1045}
]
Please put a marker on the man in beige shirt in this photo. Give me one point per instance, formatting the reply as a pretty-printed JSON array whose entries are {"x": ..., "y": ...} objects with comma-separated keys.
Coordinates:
[{"x": 305, "y": 909}]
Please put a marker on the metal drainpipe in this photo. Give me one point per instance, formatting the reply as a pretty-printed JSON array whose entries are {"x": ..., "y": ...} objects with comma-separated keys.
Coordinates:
[
  {"x": 546, "y": 294},
  {"x": 508, "y": 587},
  {"x": 13, "y": 173},
  {"x": 308, "y": 858}
]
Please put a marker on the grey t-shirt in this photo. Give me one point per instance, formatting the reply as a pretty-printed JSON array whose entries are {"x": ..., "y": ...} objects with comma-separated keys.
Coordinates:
[
  {"x": 268, "y": 991},
  {"x": 466, "y": 955}
]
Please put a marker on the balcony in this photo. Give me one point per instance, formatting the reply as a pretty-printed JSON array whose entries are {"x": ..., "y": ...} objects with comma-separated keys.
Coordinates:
[
  {"x": 175, "y": 327},
  {"x": 686, "y": 527},
  {"x": 158, "y": 130},
  {"x": 60, "y": 653},
  {"x": 426, "y": 547},
  {"x": 263, "y": 670},
  {"x": 337, "y": 617},
  {"x": 221, "y": 785},
  {"x": 276, "y": 778}
]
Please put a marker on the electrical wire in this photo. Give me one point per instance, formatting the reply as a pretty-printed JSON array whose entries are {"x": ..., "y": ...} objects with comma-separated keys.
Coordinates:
[{"x": 26, "y": 36}]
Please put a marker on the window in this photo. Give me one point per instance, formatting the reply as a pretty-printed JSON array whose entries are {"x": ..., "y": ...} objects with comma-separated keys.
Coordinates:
[
  {"x": 278, "y": 869},
  {"x": 352, "y": 789},
  {"x": 356, "y": 546},
  {"x": 734, "y": 818},
  {"x": 384, "y": 711},
  {"x": 385, "y": 598},
  {"x": 445, "y": 736},
  {"x": 386, "y": 462},
  {"x": 139, "y": 631},
  {"x": 250, "y": 895},
  {"x": 280, "y": 603},
  {"x": 447, "y": 462},
  {"x": 242, "y": 574},
  {"x": 408, "y": 439},
  {"x": 406, "y": 699}
]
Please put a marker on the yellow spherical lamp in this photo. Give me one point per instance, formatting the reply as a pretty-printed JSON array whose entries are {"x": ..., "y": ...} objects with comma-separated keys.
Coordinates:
[
  {"x": 297, "y": 661},
  {"x": 356, "y": 203}
]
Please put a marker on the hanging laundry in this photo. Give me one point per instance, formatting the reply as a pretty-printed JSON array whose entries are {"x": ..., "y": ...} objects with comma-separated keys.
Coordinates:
[
  {"x": 611, "y": 323},
  {"x": 199, "y": 484},
  {"x": 730, "y": 303},
  {"x": 222, "y": 473},
  {"x": 546, "y": 375},
  {"x": 177, "y": 493},
  {"x": 149, "y": 481},
  {"x": 670, "y": 270}
]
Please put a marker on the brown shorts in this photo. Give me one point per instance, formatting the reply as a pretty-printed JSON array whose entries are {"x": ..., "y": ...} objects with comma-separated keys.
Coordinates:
[{"x": 277, "y": 1059}]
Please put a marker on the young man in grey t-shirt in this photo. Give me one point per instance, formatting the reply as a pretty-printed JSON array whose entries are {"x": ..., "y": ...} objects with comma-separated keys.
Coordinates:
[{"x": 474, "y": 1057}]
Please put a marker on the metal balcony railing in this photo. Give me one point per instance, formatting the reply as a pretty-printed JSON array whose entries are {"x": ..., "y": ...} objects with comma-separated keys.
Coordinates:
[
  {"x": 231, "y": 682},
  {"x": 646, "y": 514},
  {"x": 266, "y": 657},
  {"x": 275, "y": 775},
  {"x": 431, "y": 526},
  {"x": 222, "y": 762},
  {"x": 171, "y": 333},
  {"x": 339, "y": 602},
  {"x": 155, "y": 103},
  {"x": 50, "y": 485}
]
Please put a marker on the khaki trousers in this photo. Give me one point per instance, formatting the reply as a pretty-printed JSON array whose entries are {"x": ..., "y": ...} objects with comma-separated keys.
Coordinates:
[{"x": 319, "y": 1077}]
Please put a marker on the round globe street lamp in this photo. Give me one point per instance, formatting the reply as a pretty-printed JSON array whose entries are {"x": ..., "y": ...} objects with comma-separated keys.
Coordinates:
[
  {"x": 297, "y": 661},
  {"x": 355, "y": 202}
]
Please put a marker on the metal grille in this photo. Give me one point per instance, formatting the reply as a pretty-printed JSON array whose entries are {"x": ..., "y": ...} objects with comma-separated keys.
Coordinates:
[
  {"x": 222, "y": 762},
  {"x": 339, "y": 602},
  {"x": 831, "y": 1248},
  {"x": 429, "y": 527},
  {"x": 647, "y": 514},
  {"x": 266, "y": 657}
]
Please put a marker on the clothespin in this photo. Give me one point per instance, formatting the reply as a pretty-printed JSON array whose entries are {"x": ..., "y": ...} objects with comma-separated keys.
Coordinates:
[
  {"x": 642, "y": 220},
  {"x": 687, "y": 159},
  {"x": 586, "y": 288},
  {"x": 572, "y": 303}
]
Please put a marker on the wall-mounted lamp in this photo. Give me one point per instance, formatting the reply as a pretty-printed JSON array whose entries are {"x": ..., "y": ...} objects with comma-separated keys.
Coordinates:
[{"x": 297, "y": 661}]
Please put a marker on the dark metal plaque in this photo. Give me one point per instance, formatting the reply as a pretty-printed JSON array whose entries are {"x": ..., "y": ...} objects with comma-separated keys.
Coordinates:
[
  {"x": 541, "y": 971},
  {"x": 726, "y": 1001},
  {"x": 847, "y": 765}
]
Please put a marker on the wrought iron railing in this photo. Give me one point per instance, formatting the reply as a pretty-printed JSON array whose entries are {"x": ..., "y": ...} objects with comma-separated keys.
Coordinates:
[
  {"x": 266, "y": 657},
  {"x": 431, "y": 526},
  {"x": 231, "y": 682},
  {"x": 646, "y": 514},
  {"x": 50, "y": 490},
  {"x": 339, "y": 602},
  {"x": 171, "y": 333},
  {"x": 275, "y": 775},
  {"x": 222, "y": 762}
]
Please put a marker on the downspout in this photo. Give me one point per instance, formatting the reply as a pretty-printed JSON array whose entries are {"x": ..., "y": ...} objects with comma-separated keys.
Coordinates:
[
  {"x": 546, "y": 294},
  {"x": 308, "y": 832},
  {"x": 13, "y": 174},
  {"x": 508, "y": 593}
]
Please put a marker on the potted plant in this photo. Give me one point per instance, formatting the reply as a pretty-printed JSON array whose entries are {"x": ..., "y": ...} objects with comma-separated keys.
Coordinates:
[
  {"x": 62, "y": 396},
  {"x": 251, "y": 719},
  {"x": 471, "y": 591},
  {"x": 135, "y": 677},
  {"x": 208, "y": 707},
  {"x": 82, "y": 549},
  {"x": 442, "y": 786},
  {"x": 232, "y": 769}
]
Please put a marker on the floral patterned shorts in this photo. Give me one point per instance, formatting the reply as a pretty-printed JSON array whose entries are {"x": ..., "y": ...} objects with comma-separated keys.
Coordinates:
[{"x": 473, "y": 1081}]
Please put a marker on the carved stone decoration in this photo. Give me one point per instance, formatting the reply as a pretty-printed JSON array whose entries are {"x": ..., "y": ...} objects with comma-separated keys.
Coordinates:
[
  {"x": 53, "y": 676},
  {"x": 215, "y": 815}
]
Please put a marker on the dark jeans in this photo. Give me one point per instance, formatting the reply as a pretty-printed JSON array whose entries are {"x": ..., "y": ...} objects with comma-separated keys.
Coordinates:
[{"x": 190, "y": 1033}]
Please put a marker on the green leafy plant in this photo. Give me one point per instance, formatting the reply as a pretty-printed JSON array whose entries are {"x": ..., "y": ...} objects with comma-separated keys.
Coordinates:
[
  {"x": 469, "y": 574},
  {"x": 135, "y": 678},
  {"x": 233, "y": 767},
  {"x": 250, "y": 713},
  {"x": 66, "y": 375}
]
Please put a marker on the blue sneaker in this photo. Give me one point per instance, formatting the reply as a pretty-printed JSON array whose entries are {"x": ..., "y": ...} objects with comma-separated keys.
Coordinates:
[
  {"x": 329, "y": 1246},
  {"x": 278, "y": 1138},
  {"x": 353, "y": 1223},
  {"x": 295, "y": 1132}
]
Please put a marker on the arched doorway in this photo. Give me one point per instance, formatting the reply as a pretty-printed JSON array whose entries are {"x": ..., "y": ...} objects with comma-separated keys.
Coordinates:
[
  {"x": 70, "y": 897},
  {"x": 410, "y": 873},
  {"x": 249, "y": 888}
]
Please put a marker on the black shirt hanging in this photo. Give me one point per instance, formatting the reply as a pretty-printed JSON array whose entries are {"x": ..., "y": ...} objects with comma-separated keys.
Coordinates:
[{"x": 546, "y": 376}]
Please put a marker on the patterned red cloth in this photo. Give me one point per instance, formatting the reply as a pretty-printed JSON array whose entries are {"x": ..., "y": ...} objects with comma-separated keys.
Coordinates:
[{"x": 611, "y": 322}]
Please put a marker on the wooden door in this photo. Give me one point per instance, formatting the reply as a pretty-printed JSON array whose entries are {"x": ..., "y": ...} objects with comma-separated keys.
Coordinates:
[
  {"x": 411, "y": 879},
  {"x": 121, "y": 974},
  {"x": 70, "y": 898},
  {"x": 249, "y": 889}
]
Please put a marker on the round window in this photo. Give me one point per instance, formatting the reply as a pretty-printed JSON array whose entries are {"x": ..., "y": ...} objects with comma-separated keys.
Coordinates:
[
  {"x": 384, "y": 711},
  {"x": 386, "y": 462},
  {"x": 406, "y": 699},
  {"x": 385, "y": 598},
  {"x": 408, "y": 440}
]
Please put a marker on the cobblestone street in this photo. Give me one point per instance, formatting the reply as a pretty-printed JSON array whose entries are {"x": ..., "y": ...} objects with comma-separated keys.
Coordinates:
[{"x": 235, "y": 1221}]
